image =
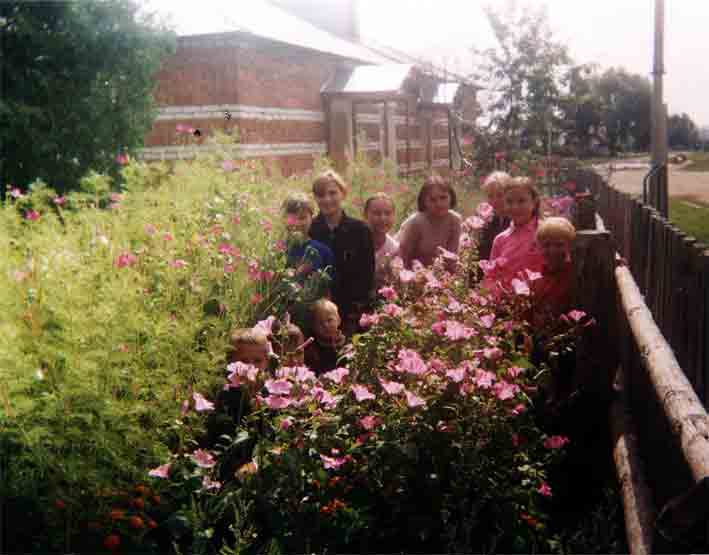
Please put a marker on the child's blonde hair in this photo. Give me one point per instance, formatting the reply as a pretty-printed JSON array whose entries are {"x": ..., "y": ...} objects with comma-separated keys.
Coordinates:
[
  {"x": 378, "y": 196},
  {"x": 556, "y": 228},
  {"x": 297, "y": 203},
  {"x": 327, "y": 177},
  {"x": 246, "y": 336},
  {"x": 496, "y": 179},
  {"x": 323, "y": 305},
  {"x": 527, "y": 184}
]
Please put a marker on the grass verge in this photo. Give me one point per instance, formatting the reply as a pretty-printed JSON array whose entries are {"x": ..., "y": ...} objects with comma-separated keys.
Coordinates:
[{"x": 691, "y": 216}]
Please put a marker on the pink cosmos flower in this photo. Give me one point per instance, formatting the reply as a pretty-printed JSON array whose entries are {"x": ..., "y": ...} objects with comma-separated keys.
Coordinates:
[
  {"x": 411, "y": 362},
  {"x": 279, "y": 387},
  {"x": 515, "y": 371},
  {"x": 303, "y": 374},
  {"x": 228, "y": 165},
  {"x": 20, "y": 276},
  {"x": 414, "y": 400},
  {"x": 368, "y": 320},
  {"x": 256, "y": 298},
  {"x": 59, "y": 201},
  {"x": 122, "y": 159},
  {"x": 267, "y": 275},
  {"x": 201, "y": 404},
  {"x": 179, "y": 263},
  {"x": 388, "y": 293},
  {"x": 520, "y": 287},
  {"x": 336, "y": 375},
  {"x": 167, "y": 236},
  {"x": 333, "y": 462},
  {"x": 280, "y": 246},
  {"x": 15, "y": 193},
  {"x": 439, "y": 328},
  {"x": 544, "y": 489},
  {"x": 230, "y": 250},
  {"x": 576, "y": 315},
  {"x": 487, "y": 320},
  {"x": 286, "y": 423},
  {"x": 228, "y": 268},
  {"x": 125, "y": 259},
  {"x": 392, "y": 310},
  {"x": 203, "y": 458},
  {"x": 484, "y": 379},
  {"x": 162, "y": 471},
  {"x": 236, "y": 219},
  {"x": 493, "y": 353},
  {"x": 32, "y": 215},
  {"x": 533, "y": 276},
  {"x": 325, "y": 398},
  {"x": 240, "y": 373},
  {"x": 456, "y": 331},
  {"x": 518, "y": 409},
  {"x": 485, "y": 210},
  {"x": 504, "y": 390},
  {"x": 392, "y": 388},
  {"x": 555, "y": 442},
  {"x": 454, "y": 306},
  {"x": 456, "y": 375},
  {"x": 182, "y": 128},
  {"x": 361, "y": 393},
  {"x": 267, "y": 226},
  {"x": 276, "y": 402},
  {"x": 369, "y": 422},
  {"x": 487, "y": 266}
]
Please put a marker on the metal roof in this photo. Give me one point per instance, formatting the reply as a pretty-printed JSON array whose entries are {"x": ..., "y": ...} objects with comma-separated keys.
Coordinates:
[
  {"x": 262, "y": 19},
  {"x": 382, "y": 79}
]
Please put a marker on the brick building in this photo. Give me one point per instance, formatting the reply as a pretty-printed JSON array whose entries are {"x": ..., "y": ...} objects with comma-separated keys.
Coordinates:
[{"x": 295, "y": 82}]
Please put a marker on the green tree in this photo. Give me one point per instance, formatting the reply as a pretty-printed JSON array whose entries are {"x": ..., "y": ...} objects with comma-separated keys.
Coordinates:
[
  {"x": 525, "y": 76},
  {"x": 76, "y": 79},
  {"x": 682, "y": 132}
]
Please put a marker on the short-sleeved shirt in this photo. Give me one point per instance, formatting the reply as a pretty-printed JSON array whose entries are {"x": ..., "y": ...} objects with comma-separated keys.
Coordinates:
[
  {"x": 351, "y": 243},
  {"x": 513, "y": 251},
  {"x": 420, "y": 236},
  {"x": 318, "y": 255}
]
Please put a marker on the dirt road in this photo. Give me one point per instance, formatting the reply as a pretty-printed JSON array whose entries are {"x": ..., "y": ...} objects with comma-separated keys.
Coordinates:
[{"x": 629, "y": 175}]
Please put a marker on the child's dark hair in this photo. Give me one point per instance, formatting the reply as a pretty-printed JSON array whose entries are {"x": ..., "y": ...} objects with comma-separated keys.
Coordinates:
[
  {"x": 432, "y": 181},
  {"x": 295, "y": 204}
]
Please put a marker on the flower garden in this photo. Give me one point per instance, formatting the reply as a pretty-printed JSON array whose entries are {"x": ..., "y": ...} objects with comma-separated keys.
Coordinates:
[{"x": 117, "y": 302}]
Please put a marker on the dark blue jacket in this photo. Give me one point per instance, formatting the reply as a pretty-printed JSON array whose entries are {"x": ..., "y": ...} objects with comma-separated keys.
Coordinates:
[{"x": 317, "y": 254}]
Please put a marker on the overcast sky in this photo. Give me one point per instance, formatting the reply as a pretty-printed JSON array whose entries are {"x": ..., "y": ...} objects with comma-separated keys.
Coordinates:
[{"x": 610, "y": 32}]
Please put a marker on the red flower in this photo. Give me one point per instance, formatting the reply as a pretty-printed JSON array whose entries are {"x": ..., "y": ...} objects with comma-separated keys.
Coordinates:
[
  {"x": 112, "y": 542},
  {"x": 500, "y": 155},
  {"x": 59, "y": 504},
  {"x": 136, "y": 522}
]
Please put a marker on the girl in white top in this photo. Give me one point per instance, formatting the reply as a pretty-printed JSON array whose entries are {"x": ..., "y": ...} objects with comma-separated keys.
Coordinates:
[{"x": 379, "y": 215}]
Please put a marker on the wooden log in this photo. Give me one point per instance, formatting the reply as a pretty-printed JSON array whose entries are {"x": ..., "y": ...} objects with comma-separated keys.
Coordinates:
[
  {"x": 597, "y": 350},
  {"x": 688, "y": 420},
  {"x": 638, "y": 507}
]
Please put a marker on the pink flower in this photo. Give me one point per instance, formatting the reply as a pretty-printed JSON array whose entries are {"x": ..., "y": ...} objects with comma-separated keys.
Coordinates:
[
  {"x": 275, "y": 402},
  {"x": 162, "y": 471},
  {"x": 325, "y": 398},
  {"x": 267, "y": 275},
  {"x": 484, "y": 379},
  {"x": 504, "y": 390},
  {"x": 125, "y": 259},
  {"x": 515, "y": 371},
  {"x": 265, "y": 326},
  {"x": 303, "y": 374},
  {"x": 533, "y": 276},
  {"x": 15, "y": 193},
  {"x": 389, "y": 293},
  {"x": 555, "y": 442},
  {"x": 167, "y": 236},
  {"x": 203, "y": 458},
  {"x": 414, "y": 400},
  {"x": 228, "y": 166},
  {"x": 456, "y": 331},
  {"x": 208, "y": 483},
  {"x": 576, "y": 315},
  {"x": 182, "y": 128},
  {"x": 201, "y": 404},
  {"x": 411, "y": 362},
  {"x": 439, "y": 328},
  {"x": 500, "y": 155},
  {"x": 456, "y": 375},
  {"x": 544, "y": 489},
  {"x": 279, "y": 387},
  {"x": 392, "y": 388},
  {"x": 122, "y": 159},
  {"x": 487, "y": 266},
  {"x": 361, "y": 393},
  {"x": 256, "y": 298},
  {"x": 20, "y": 276},
  {"x": 240, "y": 373},
  {"x": 336, "y": 375},
  {"x": 485, "y": 210},
  {"x": 179, "y": 263},
  {"x": 228, "y": 268},
  {"x": 32, "y": 215},
  {"x": 487, "y": 320},
  {"x": 333, "y": 462},
  {"x": 281, "y": 246},
  {"x": 519, "y": 409},
  {"x": 150, "y": 229},
  {"x": 570, "y": 186},
  {"x": 59, "y": 201},
  {"x": 368, "y": 422},
  {"x": 368, "y": 320},
  {"x": 267, "y": 226},
  {"x": 286, "y": 423},
  {"x": 230, "y": 250},
  {"x": 392, "y": 310},
  {"x": 520, "y": 287},
  {"x": 493, "y": 353}
]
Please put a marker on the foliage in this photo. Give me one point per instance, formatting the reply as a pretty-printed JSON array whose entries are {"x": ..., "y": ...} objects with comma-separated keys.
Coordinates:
[
  {"x": 82, "y": 74},
  {"x": 691, "y": 216},
  {"x": 682, "y": 132}
]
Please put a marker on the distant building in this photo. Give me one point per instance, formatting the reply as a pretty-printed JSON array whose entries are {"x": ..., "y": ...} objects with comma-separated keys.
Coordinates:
[{"x": 295, "y": 82}]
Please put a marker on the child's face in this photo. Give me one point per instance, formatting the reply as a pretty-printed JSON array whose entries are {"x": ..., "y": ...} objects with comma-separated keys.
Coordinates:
[
  {"x": 438, "y": 202},
  {"x": 299, "y": 222},
  {"x": 327, "y": 324},
  {"x": 519, "y": 205},
  {"x": 555, "y": 251},
  {"x": 496, "y": 198},
  {"x": 251, "y": 353},
  {"x": 380, "y": 216},
  {"x": 329, "y": 198}
]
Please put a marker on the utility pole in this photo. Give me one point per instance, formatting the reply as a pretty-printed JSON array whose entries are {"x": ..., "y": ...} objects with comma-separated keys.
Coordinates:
[{"x": 658, "y": 195}]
